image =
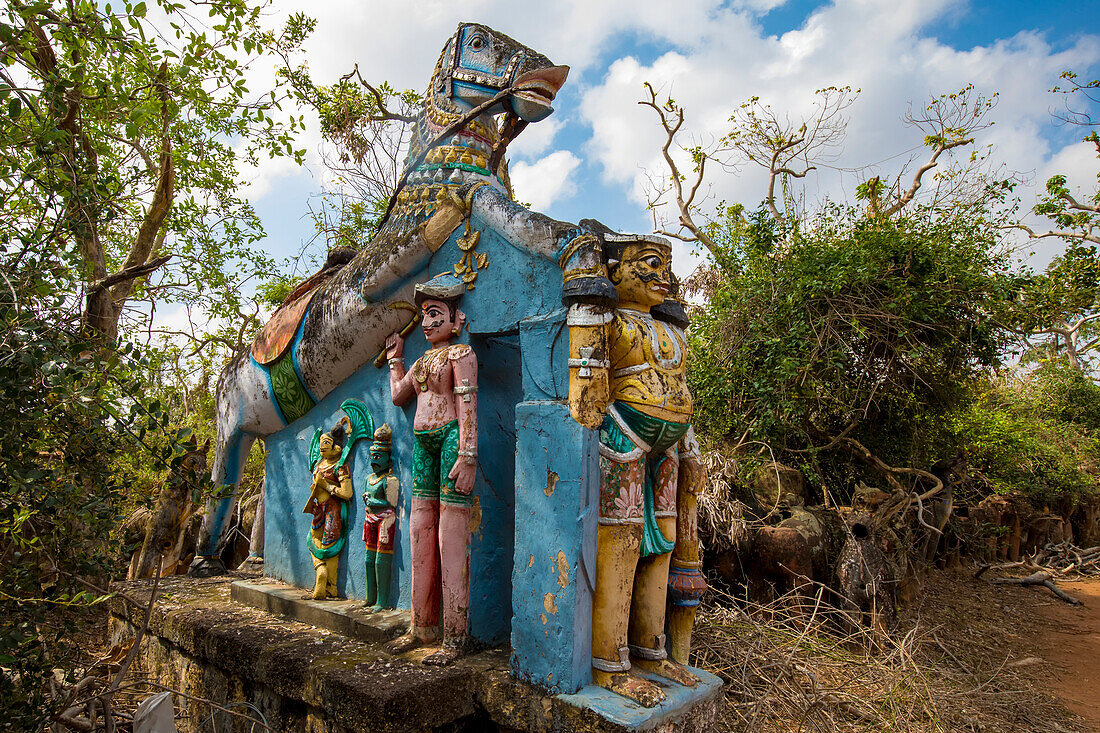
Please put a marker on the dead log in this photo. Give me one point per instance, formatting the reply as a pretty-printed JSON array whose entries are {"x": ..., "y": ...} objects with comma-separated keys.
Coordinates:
[{"x": 1040, "y": 578}]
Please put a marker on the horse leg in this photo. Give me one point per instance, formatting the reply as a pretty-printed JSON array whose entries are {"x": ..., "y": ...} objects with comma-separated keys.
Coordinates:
[{"x": 228, "y": 464}]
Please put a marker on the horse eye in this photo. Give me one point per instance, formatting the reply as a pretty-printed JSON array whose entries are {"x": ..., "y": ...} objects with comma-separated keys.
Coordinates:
[{"x": 477, "y": 42}]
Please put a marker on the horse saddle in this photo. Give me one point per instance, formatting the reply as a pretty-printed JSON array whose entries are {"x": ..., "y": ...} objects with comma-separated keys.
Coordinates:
[{"x": 274, "y": 339}]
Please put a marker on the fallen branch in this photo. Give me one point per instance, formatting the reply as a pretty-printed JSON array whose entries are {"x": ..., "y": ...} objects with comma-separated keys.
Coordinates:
[{"x": 1040, "y": 578}]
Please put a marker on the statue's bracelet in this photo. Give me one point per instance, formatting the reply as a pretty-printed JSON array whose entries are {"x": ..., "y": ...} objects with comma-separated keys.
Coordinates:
[
  {"x": 394, "y": 360},
  {"x": 471, "y": 456}
]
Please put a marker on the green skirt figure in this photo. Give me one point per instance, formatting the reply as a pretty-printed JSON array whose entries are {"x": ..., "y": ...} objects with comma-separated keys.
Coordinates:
[{"x": 380, "y": 497}]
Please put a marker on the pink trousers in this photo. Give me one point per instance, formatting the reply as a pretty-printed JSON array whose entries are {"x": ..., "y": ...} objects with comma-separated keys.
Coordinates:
[{"x": 440, "y": 551}]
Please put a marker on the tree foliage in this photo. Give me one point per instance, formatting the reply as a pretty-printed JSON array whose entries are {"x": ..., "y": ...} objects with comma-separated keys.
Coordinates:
[
  {"x": 841, "y": 328},
  {"x": 366, "y": 129},
  {"x": 1058, "y": 314},
  {"x": 1034, "y": 434},
  {"x": 120, "y": 139},
  {"x": 120, "y": 146},
  {"x": 68, "y": 411}
]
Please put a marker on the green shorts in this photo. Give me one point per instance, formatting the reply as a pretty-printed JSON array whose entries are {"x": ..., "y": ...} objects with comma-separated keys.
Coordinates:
[{"x": 434, "y": 455}]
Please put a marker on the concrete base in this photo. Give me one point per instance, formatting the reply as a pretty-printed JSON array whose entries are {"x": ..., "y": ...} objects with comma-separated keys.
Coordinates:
[
  {"x": 305, "y": 677},
  {"x": 684, "y": 708},
  {"x": 348, "y": 617}
]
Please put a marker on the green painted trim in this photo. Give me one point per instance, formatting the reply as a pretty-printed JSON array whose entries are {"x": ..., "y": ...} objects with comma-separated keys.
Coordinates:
[{"x": 289, "y": 392}]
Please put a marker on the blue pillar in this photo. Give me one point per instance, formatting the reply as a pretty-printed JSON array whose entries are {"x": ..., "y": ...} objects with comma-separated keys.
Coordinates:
[{"x": 557, "y": 490}]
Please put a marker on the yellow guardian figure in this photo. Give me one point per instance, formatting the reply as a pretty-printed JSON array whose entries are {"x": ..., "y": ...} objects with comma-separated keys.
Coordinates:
[
  {"x": 328, "y": 496},
  {"x": 330, "y": 491},
  {"x": 627, "y": 378}
]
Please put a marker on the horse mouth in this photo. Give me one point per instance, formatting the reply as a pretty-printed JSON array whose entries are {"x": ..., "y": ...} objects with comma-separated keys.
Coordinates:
[
  {"x": 536, "y": 91},
  {"x": 541, "y": 86}
]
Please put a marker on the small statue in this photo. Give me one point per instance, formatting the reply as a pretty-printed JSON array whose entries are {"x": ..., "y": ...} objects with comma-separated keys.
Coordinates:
[
  {"x": 627, "y": 378},
  {"x": 380, "y": 496},
  {"x": 444, "y": 381},
  {"x": 330, "y": 492}
]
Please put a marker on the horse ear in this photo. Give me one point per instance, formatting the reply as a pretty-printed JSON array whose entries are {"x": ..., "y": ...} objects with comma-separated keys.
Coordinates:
[{"x": 206, "y": 446}]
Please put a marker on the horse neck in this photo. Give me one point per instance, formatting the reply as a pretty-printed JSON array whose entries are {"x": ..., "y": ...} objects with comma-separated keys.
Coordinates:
[{"x": 456, "y": 161}]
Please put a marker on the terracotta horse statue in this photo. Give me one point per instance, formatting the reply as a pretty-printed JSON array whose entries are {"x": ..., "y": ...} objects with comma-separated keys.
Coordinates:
[{"x": 454, "y": 170}]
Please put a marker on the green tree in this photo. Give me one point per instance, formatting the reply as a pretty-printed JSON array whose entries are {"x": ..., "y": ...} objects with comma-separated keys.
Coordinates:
[
  {"x": 120, "y": 140},
  {"x": 366, "y": 130},
  {"x": 853, "y": 334},
  {"x": 1061, "y": 307},
  {"x": 1032, "y": 433},
  {"x": 840, "y": 334},
  {"x": 119, "y": 148},
  {"x": 68, "y": 411}
]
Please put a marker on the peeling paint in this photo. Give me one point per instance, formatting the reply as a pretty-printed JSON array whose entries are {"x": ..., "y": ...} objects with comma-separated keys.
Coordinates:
[
  {"x": 551, "y": 482},
  {"x": 563, "y": 569},
  {"x": 531, "y": 562},
  {"x": 475, "y": 516},
  {"x": 550, "y": 603},
  {"x": 542, "y": 616}
]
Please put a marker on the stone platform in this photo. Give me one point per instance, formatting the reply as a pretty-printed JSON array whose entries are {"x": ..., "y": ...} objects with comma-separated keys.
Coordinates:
[{"x": 319, "y": 666}]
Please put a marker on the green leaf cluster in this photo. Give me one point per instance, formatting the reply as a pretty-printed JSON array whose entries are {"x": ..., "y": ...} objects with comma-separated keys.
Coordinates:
[
  {"x": 68, "y": 411},
  {"x": 1037, "y": 435},
  {"x": 810, "y": 327}
]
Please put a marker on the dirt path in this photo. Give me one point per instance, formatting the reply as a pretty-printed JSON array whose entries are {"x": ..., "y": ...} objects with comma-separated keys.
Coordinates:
[{"x": 1069, "y": 641}]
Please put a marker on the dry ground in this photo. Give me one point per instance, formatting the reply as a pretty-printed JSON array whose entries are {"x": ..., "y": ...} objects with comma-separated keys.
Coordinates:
[{"x": 966, "y": 656}]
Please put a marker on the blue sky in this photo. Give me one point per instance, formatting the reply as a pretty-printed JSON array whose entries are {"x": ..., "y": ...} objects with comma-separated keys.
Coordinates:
[{"x": 590, "y": 158}]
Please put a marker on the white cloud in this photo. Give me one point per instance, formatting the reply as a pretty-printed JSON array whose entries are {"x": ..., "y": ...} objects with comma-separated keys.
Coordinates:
[
  {"x": 718, "y": 55},
  {"x": 1080, "y": 165},
  {"x": 536, "y": 139},
  {"x": 759, "y": 6},
  {"x": 888, "y": 49},
  {"x": 546, "y": 180}
]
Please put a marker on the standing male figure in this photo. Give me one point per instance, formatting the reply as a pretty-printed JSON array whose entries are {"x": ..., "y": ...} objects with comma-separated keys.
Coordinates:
[
  {"x": 380, "y": 496},
  {"x": 627, "y": 378},
  {"x": 444, "y": 381}
]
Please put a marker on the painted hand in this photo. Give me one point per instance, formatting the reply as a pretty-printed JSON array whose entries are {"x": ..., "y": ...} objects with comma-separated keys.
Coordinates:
[
  {"x": 463, "y": 474},
  {"x": 588, "y": 399},
  {"x": 395, "y": 346}
]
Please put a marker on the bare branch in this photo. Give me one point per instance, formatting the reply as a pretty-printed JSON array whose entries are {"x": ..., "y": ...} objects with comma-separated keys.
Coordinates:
[
  {"x": 380, "y": 102},
  {"x": 931, "y": 163},
  {"x": 672, "y": 119},
  {"x": 949, "y": 121},
  {"x": 888, "y": 472},
  {"x": 1075, "y": 204},
  {"x": 674, "y": 235},
  {"x": 1060, "y": 233}
]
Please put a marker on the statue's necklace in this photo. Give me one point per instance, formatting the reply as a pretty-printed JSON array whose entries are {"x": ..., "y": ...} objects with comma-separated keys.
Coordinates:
[{"x": 425, "y": 365}]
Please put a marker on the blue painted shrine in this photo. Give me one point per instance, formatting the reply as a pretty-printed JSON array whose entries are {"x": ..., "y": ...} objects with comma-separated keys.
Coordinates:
[{"x": 533, "y": 543}]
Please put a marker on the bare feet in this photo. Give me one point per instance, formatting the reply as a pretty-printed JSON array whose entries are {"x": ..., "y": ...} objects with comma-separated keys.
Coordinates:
[
  {"x": 402, "y": 644},
  {"x": 667, "y": 669},
  {"x": 444, "y": 657},
  {"x": 632, "y": 686}
]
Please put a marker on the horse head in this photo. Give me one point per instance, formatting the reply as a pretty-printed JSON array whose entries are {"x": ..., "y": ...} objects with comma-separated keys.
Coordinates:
[{"x": 477, "y": 63}]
